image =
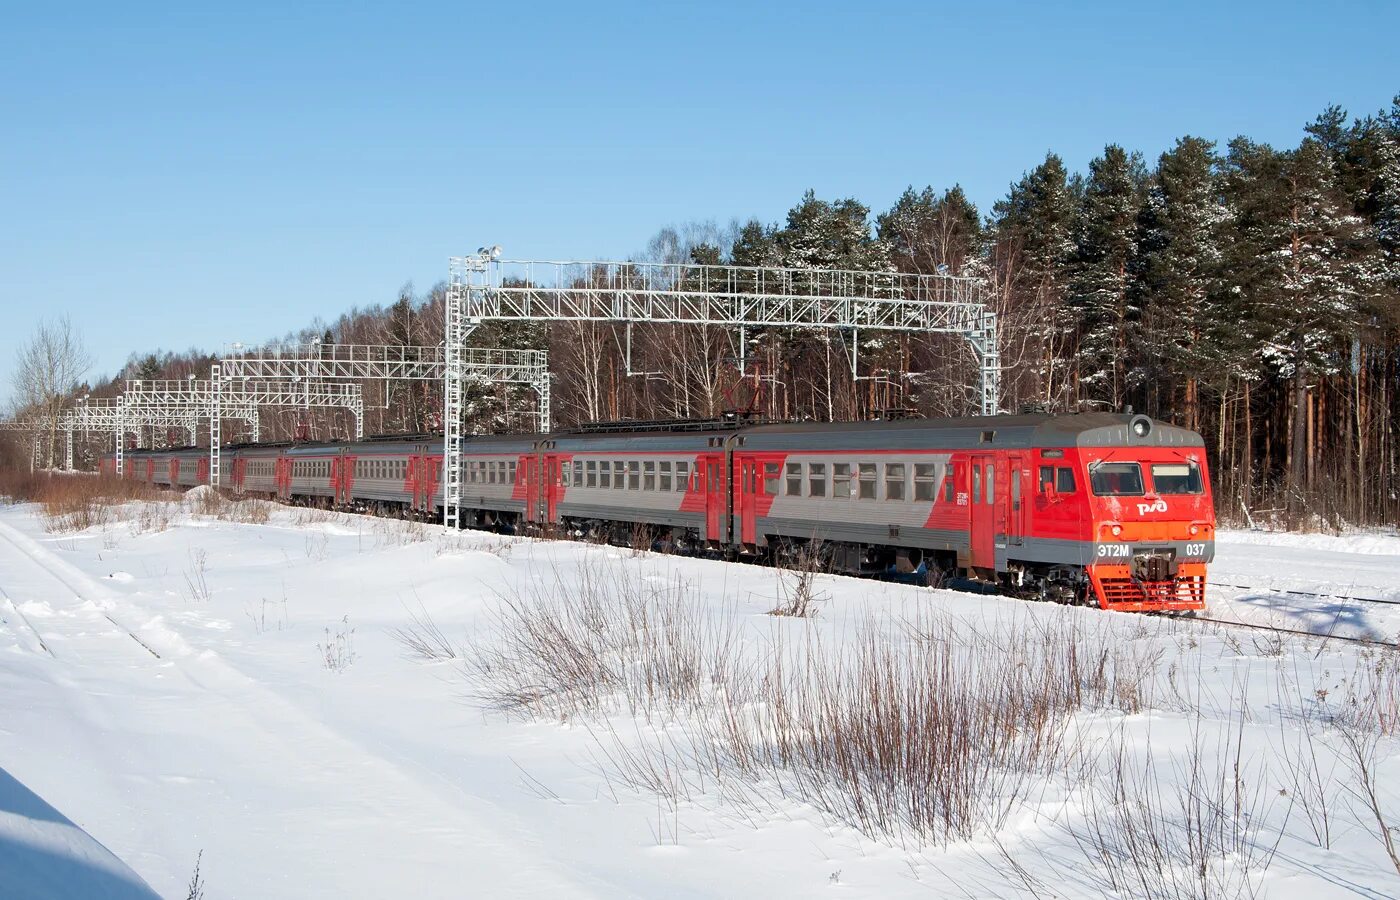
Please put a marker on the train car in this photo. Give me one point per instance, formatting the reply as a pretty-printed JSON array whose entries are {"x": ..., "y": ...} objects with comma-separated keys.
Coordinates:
[
  {"x": 673, "y": 482},
  {"x": 318, "y": 474},
  {"x": 256, "y": 470},
  {"x": 499, "y": 480},
  {"x": 1103, "y": 508}
]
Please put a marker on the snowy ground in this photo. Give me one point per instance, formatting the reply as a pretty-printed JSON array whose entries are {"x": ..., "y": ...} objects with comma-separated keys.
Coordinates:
[{"x": 192, "y": 685}]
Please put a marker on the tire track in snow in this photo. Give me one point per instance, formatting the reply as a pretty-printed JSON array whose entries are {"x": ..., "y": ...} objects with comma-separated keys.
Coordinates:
[{"x": 315, "y": 758}]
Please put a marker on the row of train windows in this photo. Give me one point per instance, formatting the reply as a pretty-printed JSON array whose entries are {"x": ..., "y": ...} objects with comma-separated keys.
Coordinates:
[
  {"x": 381, "y": 468},
  {"x": 311, "y": 468},
  {"x": 634, "y": 475},
  {"x": 861, "y": 481},
  {"x": 259, "y": 468},
  {"x": 491, "y": 472}
]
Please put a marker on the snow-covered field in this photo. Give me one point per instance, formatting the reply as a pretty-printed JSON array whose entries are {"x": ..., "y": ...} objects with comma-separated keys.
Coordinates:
[{"x": 172, "y": 683}]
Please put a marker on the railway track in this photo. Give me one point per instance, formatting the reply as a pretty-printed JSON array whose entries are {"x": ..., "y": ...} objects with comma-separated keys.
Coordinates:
[
  {"x": 18, "y": 557},
  {"x": 1298, "y": 593},
  {"x": 1276, "y": 629}
]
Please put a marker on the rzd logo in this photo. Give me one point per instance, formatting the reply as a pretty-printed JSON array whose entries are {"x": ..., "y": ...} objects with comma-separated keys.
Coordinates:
[{"x": 1158, "y": 506}]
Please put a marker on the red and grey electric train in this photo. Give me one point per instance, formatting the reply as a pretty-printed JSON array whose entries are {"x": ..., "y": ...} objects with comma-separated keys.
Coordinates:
[{"x": 1107, "y": 509}]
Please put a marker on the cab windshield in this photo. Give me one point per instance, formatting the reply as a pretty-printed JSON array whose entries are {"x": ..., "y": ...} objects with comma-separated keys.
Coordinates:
[
  {"x": 1177, "y": 478},
  {"x": 1116, "y": 479}
]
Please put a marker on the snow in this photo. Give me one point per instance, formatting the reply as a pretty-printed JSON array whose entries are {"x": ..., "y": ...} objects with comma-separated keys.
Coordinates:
[{"x": 236, "y": 689}]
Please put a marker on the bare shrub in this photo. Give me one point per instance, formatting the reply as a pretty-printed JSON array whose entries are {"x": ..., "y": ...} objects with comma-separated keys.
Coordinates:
[
  {"x": 196, "y": 582},
  {"x": 797, "y": 594},
  {"x": 149, "y": 517},
  {"x": 610, "y": 640},
  {"x": 195, "y": 890},
  {"x": 422, "y": 639},
  {"x": 929, "y": 740},
  {"x": 1184, "y": 835},
  {"x": 338, "y": 649},
  {"x": 78, "y": 502}
]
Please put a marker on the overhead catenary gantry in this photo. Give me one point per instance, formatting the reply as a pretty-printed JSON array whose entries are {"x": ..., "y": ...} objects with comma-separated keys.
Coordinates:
[
  {"x": 484, "y": 287},
  {"x": 321, "y": 363}
]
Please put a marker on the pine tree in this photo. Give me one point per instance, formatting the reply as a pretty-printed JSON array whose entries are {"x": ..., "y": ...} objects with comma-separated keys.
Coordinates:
[
  {"x": 1178, "y": 270},
  {"x": 1100, "y": 285},
  {"x": 822, "y": 234},
  {"x": 1034, "y": 230},
  {"x": 925, "y": 231}
]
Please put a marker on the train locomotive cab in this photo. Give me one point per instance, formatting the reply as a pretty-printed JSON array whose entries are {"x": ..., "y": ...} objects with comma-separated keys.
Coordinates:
[{"x": 1150, "y": 518}]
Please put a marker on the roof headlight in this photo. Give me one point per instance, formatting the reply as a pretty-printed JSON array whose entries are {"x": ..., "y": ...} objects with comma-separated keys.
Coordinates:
[{"x": 1142, "y": 426}]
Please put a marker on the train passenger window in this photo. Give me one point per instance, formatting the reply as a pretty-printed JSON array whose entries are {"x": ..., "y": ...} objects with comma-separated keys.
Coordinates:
[
  {"x": 976, "y": 484},
  {"x": 604, "y": 474},
  {"x": 665, "y": 475},
  {"x": 578, "y": 473},
  {"x": 894, "y": 481},
  {"x": 991, "y": 482},
  {"x": 1177, "y": 478},
  {"x": 648, "y": 476},
  {"x": 794, "y": 480},
  {"x": 1064, "y": 480},
  {"x": 510, "y": 473},
  {"x": 925, "y": 481},
  {"x": 816, "y": 480},
  {"x": 634, "y": 475},
  {"x": 592, "y": 473},
  {"x": 841, "y": 481},
  {"x": 1117, "y": 479},
  {"x": 618, "y": 466},
  {"x": 682, "y": 476},
  {"x": 948, "y": 489},
  {"x": 772, "y": 474},
  {"x": 867, "y": 481}
]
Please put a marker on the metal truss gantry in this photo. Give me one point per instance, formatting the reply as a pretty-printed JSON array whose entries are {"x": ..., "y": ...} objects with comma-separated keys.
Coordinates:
[
  {"x": 450, "y": 363},
  {"x": 218, "y": 398},
  {"x": 483, "y": 287}
]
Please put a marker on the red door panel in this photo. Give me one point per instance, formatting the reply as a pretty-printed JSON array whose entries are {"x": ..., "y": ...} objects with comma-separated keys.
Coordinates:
[{"x": 984, "y": 488}]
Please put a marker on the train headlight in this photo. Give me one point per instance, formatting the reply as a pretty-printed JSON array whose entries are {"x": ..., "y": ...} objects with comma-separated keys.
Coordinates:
[
  {"x": 1195, "y": 530},
  {"x": 1117, "y": 530}
]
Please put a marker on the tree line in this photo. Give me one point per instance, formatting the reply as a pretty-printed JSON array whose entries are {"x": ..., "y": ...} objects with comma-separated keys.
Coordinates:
[{"x": 1249, "y": 292}]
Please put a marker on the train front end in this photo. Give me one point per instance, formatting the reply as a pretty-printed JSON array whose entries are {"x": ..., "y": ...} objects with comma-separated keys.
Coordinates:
[{"x": 1152, "y": 520}]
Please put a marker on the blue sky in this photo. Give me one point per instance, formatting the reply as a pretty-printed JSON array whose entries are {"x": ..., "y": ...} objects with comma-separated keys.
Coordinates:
[{"x": 189, "y": 174}]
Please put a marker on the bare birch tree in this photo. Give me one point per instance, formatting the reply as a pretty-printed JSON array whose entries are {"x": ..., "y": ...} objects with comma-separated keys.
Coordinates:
[{"x": 46, "y": 372}]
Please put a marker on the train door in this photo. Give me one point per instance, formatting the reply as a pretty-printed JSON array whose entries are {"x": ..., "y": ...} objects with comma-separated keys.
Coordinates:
[
  {"x": 150, "y": 471},
  {"x": 239, "y": 467},
  {"x": 747, "y": 487},
  {"x": 201, "y": 471},
  {"x": 430, "y": 478},
  {"x": 1017, "y": 494},
  {"x": 283, "y": 477},
  {"x": 174, "y": 471},
  {"x": 347, "y": 478},
  {"x": 982, "y": 551},
  {"x": 554, "y": 487},
  {"x": 530, "y": 477},
  {"x": 716, "y": 498}
]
